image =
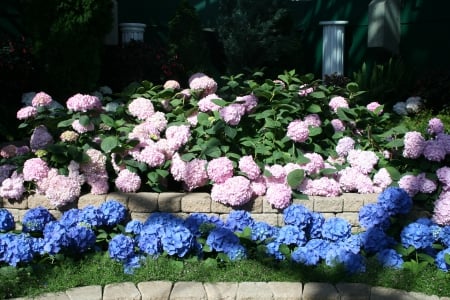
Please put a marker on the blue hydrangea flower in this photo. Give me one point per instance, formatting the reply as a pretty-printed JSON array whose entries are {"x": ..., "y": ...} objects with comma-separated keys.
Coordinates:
[
  {"x": 262, "y": 231},
  {"x": 149, "y": 240},
  {"x": 121, "y": 248},
  {"x": 6, "y": 220},
  {"x": 35, "y": 219},
  {"x": 305, "y": 256},
  {"x": 314, "y": 230},
  {"x": 81, "y": 239},
  {"x": 351, "y": 244},
  {"x": 417, "y": 235},
  {"x": 395, "y": 200},
  {"x": 291, "y": 235},
  {"x": 444, "y": 236},
  {"x": 440, "y": 260},
  {"x": 273, "y": 249},
  {"x": 373, "y": 215},
  {"x": 297, "y": 215},
  {"x": 177, "y": 240},
  {"x": 239, "y": 219},
  {"x": 236, "y": 252},
  {"x": 353, "y": 263},
  {"x": 194, "y": 222},
  {"x": 90, "y": 215},
  {"x": 389, "y": 258},
  {"x": 132, "y": 263},
  {"x": 18, "y": 250},
  {"x": 5, "y": 239},
  {"x": 375, "y": 239},
  {"x": 71, "y": 217},
  {"x": 38, "y": 244},
  {"x": 319, "y": 246},
  {"x": 164, "y": 219},
  {"x": 113, "y": 213},
  {"x": 134, "y": 227},
  {"x": 335, "y": 229},
  {"x": 221, "y": 239},
  {"x": 55, "y": 237}
]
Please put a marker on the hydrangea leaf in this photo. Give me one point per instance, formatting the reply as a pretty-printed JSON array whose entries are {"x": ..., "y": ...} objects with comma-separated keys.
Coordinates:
[{"x": 295, "y": 178}]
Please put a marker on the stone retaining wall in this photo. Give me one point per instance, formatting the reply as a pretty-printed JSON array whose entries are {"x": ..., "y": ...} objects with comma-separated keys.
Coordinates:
[{"x": 141, "y": 205}]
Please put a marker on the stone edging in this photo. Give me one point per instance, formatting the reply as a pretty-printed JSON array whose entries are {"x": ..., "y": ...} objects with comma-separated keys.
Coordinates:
[{"x": 141, "y": 205}]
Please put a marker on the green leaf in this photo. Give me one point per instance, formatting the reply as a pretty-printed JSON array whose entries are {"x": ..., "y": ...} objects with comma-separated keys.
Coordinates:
[
  {"x": 447, "y": 258},
  {"x": 220, "y": 102},
  {"x": 314, "y": 109},
  {"x": 352, "y": 87},
  {"x": 84, "y": 120},
  {"x": 188, "y": 156},
  {"x": 397, "y": 143},
  {"x": 295, "y": 178},
  {"x": 314, "y": 131},
  {"x": 318, "y": 95},
  {"x": 394, "y": 173},
  {"x": 109, "y": 144},
  {"x": 62, "y": 124},
  {"x": 230, "y": 132},
  {"x": 213, "y": 152},
  {"x": 107, "y": 120}
]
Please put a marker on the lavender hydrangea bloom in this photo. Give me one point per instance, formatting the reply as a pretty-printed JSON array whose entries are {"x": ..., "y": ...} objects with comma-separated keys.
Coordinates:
[
  {"x": 373, "y": 215},
  {"x": 177, "y": 240},
  {"x": 395, "y": 201},
  {"x": 335, "y": 229},
  {"x": 35, "y": 219},
  {"x": 440, "y": 260},
  {"x": 121, "y": 248},
  {"x": 112, "y": 212},
  {"x": 239, "y": 219},
  {"x": 390, "y": 258},
  {"x": 417, "y": 235},
  {"x": 297, "y": 215},
  {"x": 291, "y": 235},
  {"x": 6, "y": 220}
]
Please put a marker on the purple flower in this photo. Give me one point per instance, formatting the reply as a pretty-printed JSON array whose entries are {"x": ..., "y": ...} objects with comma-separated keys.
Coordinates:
[
  {"x": 414, "y": 145},
  {"x": 41, "y": 138},
  {"x": 434, "y": 150},
  {"x": 435, "y": 126},
  {"x": 337, "y": 125}
]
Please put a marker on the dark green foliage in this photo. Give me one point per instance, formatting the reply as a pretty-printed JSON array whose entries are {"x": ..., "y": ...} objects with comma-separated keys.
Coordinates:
[
  {"x": 256, "y": 34},
  {"x": 67, "y": 41}
]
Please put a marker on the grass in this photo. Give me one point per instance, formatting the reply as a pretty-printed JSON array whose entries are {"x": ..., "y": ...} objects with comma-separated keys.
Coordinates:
[{"x": 99, "y": 269}]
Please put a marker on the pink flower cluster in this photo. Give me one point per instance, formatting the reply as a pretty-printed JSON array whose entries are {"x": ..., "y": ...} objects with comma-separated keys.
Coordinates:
[
  {"x": 435, "y": 126},
  {"x": 324, "y": 186},
  {"x": 79, "y": 128},
  {"x": 35, "y": 169},
  {"x": 337, "y": 102},
  {"x": 127, "y": 181},
  {"x": 441, "y": 212},
  {"x": 414, "y": 184},
  {"x": 41, "y": 99},
  {"x": 414, "y": 144},
  {"x": 193, "y": 173},
  {"x": 141, "y": 108},
  {"x": 232, "y": 113},
  {"x": 83, "y": 103},
  {"x": 344, "y": 146},
  {"x": 363, "y": 161},
  {"x": 234, "y": 191},
  {"x": 298, "y": 131},
  {"x": 220, "y": 169},
  {"x": 12, "y": 187},
  {"x": 200, "y": 81},
  {"x": 95, "y": 172},
  {"x": 372, "y": 106},
  {"x": 248, "y": 166},
  {"x": 26, "y": 113},
  {"x": 206, "y": 104}
]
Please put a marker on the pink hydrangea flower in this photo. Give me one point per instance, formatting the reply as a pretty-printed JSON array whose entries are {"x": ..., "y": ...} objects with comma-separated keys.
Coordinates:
[
  {"x": 150, "y": 155},
  {"x": 95, "y": 172},
  {"x": 141, "y": 108},
  {"x": 62, "y": 190},
  {"x": 232, "y": 113},
  {"x": 248, "y": 166},
  {"x": 158, "y": 120},
  {"x": 304, "y": 90},
  {"x": 364, "y": 161},
  {"x": 277, "y": 174},
  {"x": 382, "y": 179},
  {"x": 127, "y": 181},
  {"x": 40, "y": 138},
  {"x": 220, "y": 169},
  {"x": 35, "y": 169},
  {"x": 41, "y": 99},
  {"x": 258, "y": 186},
  {"x": 193, "y": 119},
  {"x": 441, "y": 212},
  {"x": 372, "y": 106},
  {"x": 344, "y": 146},
  {"x": 178, "y": 167},
  {"x": 145, "y": 132},
  {"x": 410, "y": 184},
  {"x": 313, "y": 120},
  {"x": 426, "y": 185},
  {"x": 8, "y": 151},
  {"x": 434, "y": 150},
  {"x": 200, "y": 81},
  {"x": 195, "y": 174},
  {"x": 172, "y": 84},
  {"x": 338, "y": 125},
  {"x": 324, "y": 186},
  {"x": 235, "y": 191},
  {"x": 298, "y": 131},
  {"x": 249, "y": 102},
  {"x": 178, "y": 135},
  {"x": 352, "y": 180},
  {"x": 12, "y": 188},
  {"x": 315, "y": 164},
  {"x": 443, "y": 174},
  {"x": 26, "y": 113},
  {"x": 78, "y": 127},
  {"x": 83, "y": 103},
  {"x": 279, "y": 195},
  {"x": 206, "y": 104},
  {"x": 414, "y": 143},
  {"x": 337, "y": 102}
]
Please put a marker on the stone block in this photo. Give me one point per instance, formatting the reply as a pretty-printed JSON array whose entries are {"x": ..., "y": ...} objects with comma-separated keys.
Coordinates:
[
  {"x": 253, "y": 206},
  {"x": 382, "y": 293},
  {"x": 368, "y": 198},
  {"x": 219, "y": 208},
  {"x": 423, "y": 296},
  {"x": 271, "y": 219},
  {"x": 319, "y": 291},
  {"x": 328, "y": 204},
  {"x": 308, "y": 203},
  {"x": 170, "y": 202},
  {"x": 142, "y": 217},
  {"x": 121, "y": 291},
  {"x": 155, "y": 290},
  {"x": 93, "y": 292},
  {"x": 353, "y": 291},
  {"x": 253, "y": 290},
  {"x": 353, "y": 204},
  {"x": 90, "y": 199},
  {"x": 18, "y": 204},
  {"x": 286, "y": 290},
  {"x": 118, "y": 196},
  {"x": 53, "y": 296},
  {"x": 351, "y": 217},
  {"x": 39, "y": 200},
  {"x": 221, "y": 290},
  {"x": 188, "y": 290},
  {"x": 143, "y": 202},
  {"x": 196, "y": 202}
]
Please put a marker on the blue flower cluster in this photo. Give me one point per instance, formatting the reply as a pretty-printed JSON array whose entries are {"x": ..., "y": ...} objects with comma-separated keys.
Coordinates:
[{"x": 6, "y": 220}]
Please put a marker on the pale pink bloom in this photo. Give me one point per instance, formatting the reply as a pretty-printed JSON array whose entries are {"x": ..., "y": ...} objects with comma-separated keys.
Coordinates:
[
  {"x": 178, "y": 135},
  {"x": 441, "y": 212},
  {"x": 304, "y": 90},
  {"x": 364, "y": 161},
  {"x": 352, "y": 180},
  {"x": 235, "y": 191},
  {"x": 344, "y": 146},
  {"x": 338, "y": 125},
  {"x": 372, "y": 106},
  {"x": 158, "y": 120},
  {"x": 414, "y": 143},
  {"x": 172, "y": 84},
  {"x": 192, "y": 119},
  {"x": 220, "y": 169},
  {"x": 178, "y": 167},
  {"x": 337, "y": 102},
  {"x": 435, "y": 126},
  {"x": 434, "y": 150},
  {"x": 78, "y": 127},
  {"x": 141, "y": 108},
  {"x": 40, "y": 138},
  {"x": 62, "y": 190},
  {"x": 315, "y": 164},
  {"x": 41, "y": 99},
  {"x": 206, "y": 104},
  {"x": 277, "y": 174},
  {"x": 83, "y": 103},
  {"x": 95, "y": 172},
  {"x": 426, "y": 185},
  {"x": 410, "y": 183},
  {"x": 249, "y": 102},
  {"x": 382, "y": 179},
  {"x": 127, "y": 181},
  {"x": 279, "y": 195},
  {"x": 150, "y": 155},
  {"x": 26, "y": 112},
  {"x": 312, "y": 120},
  {"x": 248, "y": 166},
  {"x": 35, "y": 169},
  {"x": 443, "y": 174},
  {"x": 195, "y": 174},
  {"x": 279, "y": 83},
  {"x": 324, "y": 186},
  {"x": 232, "y": 113},
  {"x": 200, "y": 81},
  {"x": 145, "y": 132},
  {"x": 13, "y": 188},
  {"x": 258, "y": 186},
  {"x": 69, "y": 136},
  {"x": 298, "y": 131}
]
